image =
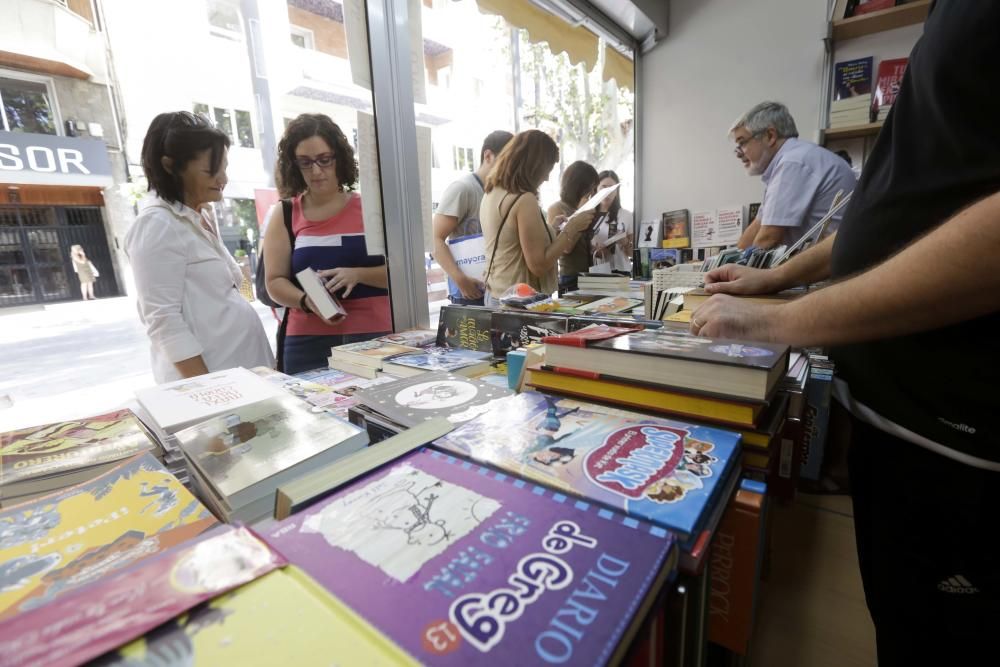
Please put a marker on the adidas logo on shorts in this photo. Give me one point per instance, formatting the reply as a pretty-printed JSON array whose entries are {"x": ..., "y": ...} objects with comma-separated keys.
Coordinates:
[{"x": 957, "y": 584}]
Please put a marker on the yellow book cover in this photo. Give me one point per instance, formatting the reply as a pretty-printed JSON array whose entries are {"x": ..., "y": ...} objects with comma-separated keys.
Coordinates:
[
  {"x": 283, "y": 618},
  {"x": 677, "y": 242},
  {"x": 70, "y": 538},
  {"x": 680, "y": 316}
]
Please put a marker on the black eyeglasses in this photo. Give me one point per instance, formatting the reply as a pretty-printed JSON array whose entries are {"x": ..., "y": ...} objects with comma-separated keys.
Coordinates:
[{"x": 306, "y": 163}]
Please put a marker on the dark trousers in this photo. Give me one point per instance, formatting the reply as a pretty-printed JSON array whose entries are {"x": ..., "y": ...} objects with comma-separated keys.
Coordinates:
[
  {"x": 462, "y": 301},
  {"x": 305, "y": 353},
  {"x": 928, "y": 534}
]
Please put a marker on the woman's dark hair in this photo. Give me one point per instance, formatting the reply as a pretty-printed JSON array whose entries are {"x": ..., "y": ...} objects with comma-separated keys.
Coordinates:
[
  {"x": 579, "y": 180},
  {"x": 523, "y": 163},
  {"x": 287, "y": 174},
  {"x": 616, "y": 203},
  {"x": 181, "y": 136}
]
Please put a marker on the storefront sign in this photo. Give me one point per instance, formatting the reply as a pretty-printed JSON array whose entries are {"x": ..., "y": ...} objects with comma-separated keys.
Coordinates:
[{"x": 46, "y": 159}]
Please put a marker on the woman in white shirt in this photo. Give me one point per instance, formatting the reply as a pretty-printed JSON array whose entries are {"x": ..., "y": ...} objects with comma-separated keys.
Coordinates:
[
  {"x": 617, "y": 223},
  {"x": 186, "y": 281}
]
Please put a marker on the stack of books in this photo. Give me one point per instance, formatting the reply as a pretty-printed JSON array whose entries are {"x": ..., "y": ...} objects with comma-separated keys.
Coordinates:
[
  {"x": 42, "y": 459},
  {"x": 365, "y": 359},
  {"x": 239, "y": 458},
  {"x": 614, "y": 282},
  {"x": 852, "y": 95},
  {"x": 469, "y": 363}
]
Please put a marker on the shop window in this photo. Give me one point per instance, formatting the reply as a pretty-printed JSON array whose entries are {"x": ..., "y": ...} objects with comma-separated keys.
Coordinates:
[
  {"x": 224, "y": 121},
  {"x": 464, "y": 160},
  {"x": 244, "y": 129},
  {"x": 224, "y": 19},
  {"x": 27, "y": 107}
]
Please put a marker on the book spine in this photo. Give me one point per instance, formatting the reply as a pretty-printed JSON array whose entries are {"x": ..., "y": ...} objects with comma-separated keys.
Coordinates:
[
  {"x": 590, "y": 375},
  {"x": 734, "y": 578},
  {"x": 570, "y": 341}
]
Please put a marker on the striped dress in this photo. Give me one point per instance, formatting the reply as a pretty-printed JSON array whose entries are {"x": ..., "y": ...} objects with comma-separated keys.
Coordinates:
[{"x": 338, "y": 241}]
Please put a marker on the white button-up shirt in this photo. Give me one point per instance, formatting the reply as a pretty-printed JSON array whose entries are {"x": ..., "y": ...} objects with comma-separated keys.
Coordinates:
[{"x": 188, "y": 297}]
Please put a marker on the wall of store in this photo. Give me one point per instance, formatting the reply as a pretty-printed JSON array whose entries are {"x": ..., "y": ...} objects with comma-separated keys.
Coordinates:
[{"x": 718, "y": 60}]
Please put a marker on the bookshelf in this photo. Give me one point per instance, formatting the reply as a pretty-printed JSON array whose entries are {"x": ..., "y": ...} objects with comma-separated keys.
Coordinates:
[
  {"x": 887, "y": 19},
  {"x": 852, "y": 132}
]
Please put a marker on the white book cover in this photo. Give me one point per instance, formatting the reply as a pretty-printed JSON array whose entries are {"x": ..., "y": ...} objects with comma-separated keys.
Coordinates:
[
  {"x": 313, "y": 285},
  {"x": 730, "y": 225},
  {"x": 650, "y": 234},
  {"x": 176, "y": 405},
  {"x": 704, "y": 229}
]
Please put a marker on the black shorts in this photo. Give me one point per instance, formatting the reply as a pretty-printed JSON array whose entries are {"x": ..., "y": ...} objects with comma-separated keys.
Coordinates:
[{"x": 928, "y": 533}]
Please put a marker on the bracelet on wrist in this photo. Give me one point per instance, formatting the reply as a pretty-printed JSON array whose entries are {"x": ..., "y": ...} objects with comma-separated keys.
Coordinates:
[{"x": 302, "y": 304}]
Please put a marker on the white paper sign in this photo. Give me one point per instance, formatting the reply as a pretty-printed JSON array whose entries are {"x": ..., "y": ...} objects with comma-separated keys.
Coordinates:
[
  {"x": 730, "y": 225},
  {"x": 704, "y": 229},
  {"x": 595, "y": 201},
  {"x": 357, "y": 42},
  {"x": 469, "y": 253}
]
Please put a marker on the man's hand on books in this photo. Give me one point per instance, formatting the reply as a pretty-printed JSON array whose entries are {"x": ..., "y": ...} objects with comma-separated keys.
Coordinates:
[
  {"x": 742, "y": 280},
  {"x": 469, "y": 287},
  {"x": 728, "y": 317}
]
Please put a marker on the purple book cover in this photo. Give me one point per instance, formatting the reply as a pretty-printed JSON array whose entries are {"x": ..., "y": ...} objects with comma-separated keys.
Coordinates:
[
  {"x": 459, "y": 564},
  {"x": 113, "y": 611}
]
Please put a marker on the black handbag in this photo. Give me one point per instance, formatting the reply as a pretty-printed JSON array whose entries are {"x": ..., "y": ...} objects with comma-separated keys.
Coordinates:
[{"x": 260, "y": 280}]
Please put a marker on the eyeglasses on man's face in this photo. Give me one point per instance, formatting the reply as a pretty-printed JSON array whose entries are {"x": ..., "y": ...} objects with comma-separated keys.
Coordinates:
[
  {"x": 742, "y": 142},
  {"x": 305, "y": 163}
]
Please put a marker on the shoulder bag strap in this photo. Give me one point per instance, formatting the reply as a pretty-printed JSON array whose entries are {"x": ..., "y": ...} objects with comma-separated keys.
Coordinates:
[{"x": 496, "y": 243}]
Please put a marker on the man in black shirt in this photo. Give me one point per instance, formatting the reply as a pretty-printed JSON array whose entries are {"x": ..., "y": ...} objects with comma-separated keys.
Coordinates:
[{"x": 912, "y": 319}]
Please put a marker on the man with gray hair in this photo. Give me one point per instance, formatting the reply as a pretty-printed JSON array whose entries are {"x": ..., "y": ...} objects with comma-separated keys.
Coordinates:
[{"x": 800, "y": 178}]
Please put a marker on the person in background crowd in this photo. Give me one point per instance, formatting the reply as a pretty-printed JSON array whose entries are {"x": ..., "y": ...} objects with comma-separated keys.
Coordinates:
[
  {"x": 316, "y": 172},
  {"x": 912, "y": 317},
  {"x": 520, "y": 246},
  {"x": 186, "y": 281},
  {"x": 616, "y": 221},
  {"x": 578, "y": 184},
  {"x": 800, "y": 179},
  {"x": 85, "y": 271},
  {"x": 457, "y": 216}
]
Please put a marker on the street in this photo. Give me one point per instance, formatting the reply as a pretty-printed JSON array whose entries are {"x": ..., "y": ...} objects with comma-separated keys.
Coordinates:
[{"x": 71, "y": 360}]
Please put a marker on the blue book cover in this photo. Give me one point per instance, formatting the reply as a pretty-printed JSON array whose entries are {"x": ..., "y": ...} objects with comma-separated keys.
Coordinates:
[
  {"x": 852, "y": 78},
  {"x": 440, "y": 359},
  {"x": 660, "y": 470}
]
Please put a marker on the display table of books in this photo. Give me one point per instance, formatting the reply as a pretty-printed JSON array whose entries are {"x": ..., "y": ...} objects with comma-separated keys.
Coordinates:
[{"x": 516, "y": 488}]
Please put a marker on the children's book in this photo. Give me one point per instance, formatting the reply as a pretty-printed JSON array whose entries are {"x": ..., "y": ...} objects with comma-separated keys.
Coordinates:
[
  {"x": 369, "y": 353},
  {"x": 283, "y": 618},
  {"x": 53, "y": 456},
  {"x": 462, "y": 565},
  {"x": 658, "y": 470},
  {"x": 116, "y": 609},
  {"x": 177, "y": 405},
  {"x": 410, "y": 401},
  {"x": 65, "y": 540}
]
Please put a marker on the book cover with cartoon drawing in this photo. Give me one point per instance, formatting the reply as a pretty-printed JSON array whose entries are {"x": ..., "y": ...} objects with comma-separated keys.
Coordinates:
[
  {"x": 282, "y": 618},
  {"x": 244, "y": 453},
  {"x": 52, "y": 449},
  {"x": 95, "y": 619},
  {"x": 68, "y": 539},
  {"x": 416, "y": 399},
  {"x": 659, "y": 470},
  {"x": 463, "y": 565}
]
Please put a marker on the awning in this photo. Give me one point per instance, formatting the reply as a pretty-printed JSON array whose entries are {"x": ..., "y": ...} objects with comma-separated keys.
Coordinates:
[{"x": 578, "y": 43}]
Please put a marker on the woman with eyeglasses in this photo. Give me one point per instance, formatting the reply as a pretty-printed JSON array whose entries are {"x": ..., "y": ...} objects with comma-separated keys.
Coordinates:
[
  {"x": 187, "y": 283},
  {"x": 320, "y": 226}
]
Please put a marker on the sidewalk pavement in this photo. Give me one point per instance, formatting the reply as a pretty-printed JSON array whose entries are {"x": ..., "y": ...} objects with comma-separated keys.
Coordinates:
[{"x": 70, "y": 360}]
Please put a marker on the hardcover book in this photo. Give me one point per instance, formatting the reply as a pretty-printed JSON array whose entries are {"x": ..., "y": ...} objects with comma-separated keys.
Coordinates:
[
  {"x": 248, "y": 452},
  {"x": 283, "y": 618},
  {"x": 467, "y": 327},
  {"x": 95, "y": 619},
  {"x": 493, "y": 570},
  {"x": 517, "y": 330},
  {"x": 413, "y": 400},
  {"x": 177, "y": 405},
  {"x": 68, "y": 539},
  {"x": 44, "y": 458},
  {"x": 658, "y": 470}
]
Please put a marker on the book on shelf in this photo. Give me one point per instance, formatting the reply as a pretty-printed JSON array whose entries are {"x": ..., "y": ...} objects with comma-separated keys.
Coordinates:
[
  {"x": 658, "y": 470},
  {"x": 862, "y": 7},
  {"x": 65, "y": 540},
  {"x": 516, "y": 330},
  {"x": 466, "y": 327},
  {"x": 326, "y": 304},
  {"x": 179, "y": 404},
  {"x": 282, "y": 618},
  {"x": 41, "y": 459},
  {"x": 409, "y": 401},
  {"x": 852, "y": 92},
  {"x": 90, "y": 621},
  {"x": 469, "y": 363},
  {"x": 650, "y": 234},
  {"x": 644, "y": 396},
  {"x": 676, "y": 229},
  {"x": 454, "y": 540},
  {"x": 412, "y": 337},
  {"x": 243, "y": 456},
  {"x": 888, "y": 83},
  {"x": 748, "y": 371}
]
